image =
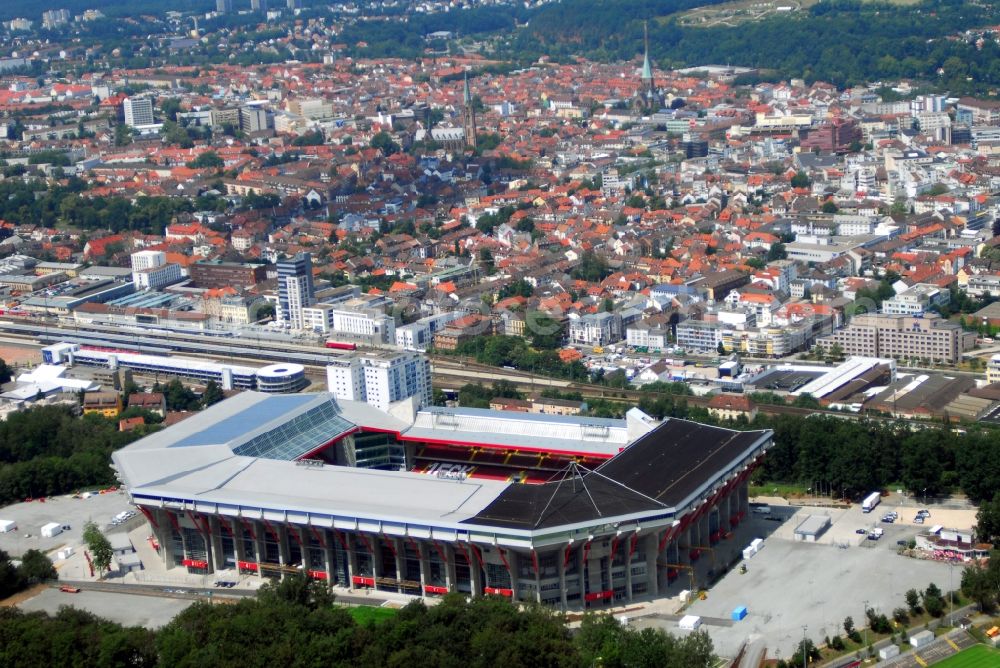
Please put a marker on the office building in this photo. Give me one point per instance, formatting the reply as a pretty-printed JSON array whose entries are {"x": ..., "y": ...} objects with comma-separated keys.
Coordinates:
[
  {"x": 155, "y": 278},
  {"x": 138, "y": 111},
  {"x": 224, "y": 6},
  {"x": 490, "y": 502},
  {"x": 258, "y": 5},
  {"x": 54, "y": 18},
  {"x": 295, "y": 289},
  {"x": 253, "y": 119},
  {"x": 380, "y": 379},
  {"x": 927, "y": 338},
  {"x": 147, "y": 259}
]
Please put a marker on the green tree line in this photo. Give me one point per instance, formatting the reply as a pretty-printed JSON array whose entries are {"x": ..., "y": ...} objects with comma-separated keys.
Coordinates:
[
  {"x": 296, "y": 623},
  {"x": 47, "y": 450}
]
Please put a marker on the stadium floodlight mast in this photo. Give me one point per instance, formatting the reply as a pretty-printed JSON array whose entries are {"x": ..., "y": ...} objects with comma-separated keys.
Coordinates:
[{"x": 804, "y": 656}]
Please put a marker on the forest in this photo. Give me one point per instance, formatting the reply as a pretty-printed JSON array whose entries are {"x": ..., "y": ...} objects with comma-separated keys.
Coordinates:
[
  {"x": 47, "y": 450},
  {"x": 70, "y": 205},
  {"x": 297, "y": 623},
  {"x": 899, "y": 41}
]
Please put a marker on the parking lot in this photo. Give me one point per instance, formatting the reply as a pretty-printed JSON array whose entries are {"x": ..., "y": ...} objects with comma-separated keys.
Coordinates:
[
  {"x": 31, "y": 516},
  {"x": 791, "y": 584},
  {"x": 128, "y": 609}
]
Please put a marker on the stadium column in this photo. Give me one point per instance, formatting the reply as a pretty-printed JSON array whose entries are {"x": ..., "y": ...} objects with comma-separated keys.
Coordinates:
[
  {"x": 216, "y": 556},
  {"x": 376, "y": 558},
  {"x": 237, "y": 533},
  {"x": 164, "y": 536},
  {"x": 259, "y": 531},
  {"x": 744, "y": 496},
  {"x": 352, "y": 558},
  {"x": 561, "y": 569},
  {"x": 652, "y": 577},
  {"x": 400, "y": 556},
  {"x": 628, "y": 567},
  {"x": 423, "y": 554},
  {"x": 329, "y": 556},
  {"x": 283, "y": 553},
  {"x": 449, "y": 567}
]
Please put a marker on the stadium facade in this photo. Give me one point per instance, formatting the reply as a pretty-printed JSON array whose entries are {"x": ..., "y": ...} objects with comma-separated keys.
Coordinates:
[{"x": 567, "y": 511}]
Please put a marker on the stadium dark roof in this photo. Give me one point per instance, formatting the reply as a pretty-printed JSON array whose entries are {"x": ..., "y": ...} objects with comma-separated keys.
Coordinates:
[{"x": 660, "y": 470}]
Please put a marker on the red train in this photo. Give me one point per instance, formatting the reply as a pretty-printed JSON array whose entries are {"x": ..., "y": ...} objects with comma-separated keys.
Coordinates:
[{"x": 339, "y": 345}]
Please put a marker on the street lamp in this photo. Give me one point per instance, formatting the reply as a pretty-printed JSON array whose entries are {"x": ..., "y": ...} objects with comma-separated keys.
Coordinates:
[
  {"x": 951, "y": 593},
  {"x": 804, "y": 657}
]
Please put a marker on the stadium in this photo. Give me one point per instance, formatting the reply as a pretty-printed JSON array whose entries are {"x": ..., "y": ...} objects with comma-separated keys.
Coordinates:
[{"x": 567, "y": 511}]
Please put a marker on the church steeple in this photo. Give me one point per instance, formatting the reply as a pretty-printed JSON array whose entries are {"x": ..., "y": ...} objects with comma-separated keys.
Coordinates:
[
  {"x": 647, "y": 70},
  {"x": 468, "y": 115}
]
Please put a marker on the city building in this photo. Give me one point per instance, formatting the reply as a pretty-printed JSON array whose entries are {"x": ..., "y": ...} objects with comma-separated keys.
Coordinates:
[
  {"x": 155, "y": 278},
  {"x": 216, "y": 274},
  {"x": 224, "y": 6},
  {"x": 596, "y": 329},
  {"x": 276, "y": 378},
  {"x": 490, "y": 502},
  {"x": 53, "y": 18},
  {"x": 927, "y": 338},
  {"x": 253, "y": 119},
  {"x": 147, "y": 259},
  {"x": 295, "y": 289},
  {"x": 380, "y": 379},
  {"x": 993, "y": 370},
  {"x": 916, "y": 300},
  {"x": 138, "y": 112}
]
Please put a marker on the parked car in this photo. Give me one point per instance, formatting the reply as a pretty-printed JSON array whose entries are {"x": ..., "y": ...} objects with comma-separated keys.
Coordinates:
[
  {"x": 861, "y": 531},
  {"x": 919, "y": 519}
]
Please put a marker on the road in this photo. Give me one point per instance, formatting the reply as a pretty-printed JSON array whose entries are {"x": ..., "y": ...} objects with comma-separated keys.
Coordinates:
[{"x": 199, "y": 593}]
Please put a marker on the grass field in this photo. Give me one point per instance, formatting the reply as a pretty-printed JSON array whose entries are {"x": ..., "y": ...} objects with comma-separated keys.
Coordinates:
[
  {"x": 363, "y": 614},
  {"x": 979, "y": 656}
]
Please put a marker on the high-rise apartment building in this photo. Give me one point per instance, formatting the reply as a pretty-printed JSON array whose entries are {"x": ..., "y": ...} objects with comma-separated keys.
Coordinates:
[
  {"x": 295, "y": 289},
  {"x": 380, "y": 379},
  {"x": 138, "y": 111}
]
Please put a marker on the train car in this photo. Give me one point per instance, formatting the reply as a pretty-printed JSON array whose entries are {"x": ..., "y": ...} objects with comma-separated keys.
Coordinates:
[{"x": 339, "y": 345}]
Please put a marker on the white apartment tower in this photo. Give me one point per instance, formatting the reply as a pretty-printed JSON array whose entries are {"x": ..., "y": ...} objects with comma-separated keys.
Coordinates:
[{"x": 380, "y": 379}]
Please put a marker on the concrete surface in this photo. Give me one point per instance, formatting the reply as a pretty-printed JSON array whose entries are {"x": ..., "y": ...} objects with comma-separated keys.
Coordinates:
[
  {"x": 793, "y": 584},
  {"x": 129, "y": 609},
  {"x": 30, "y": 518}
]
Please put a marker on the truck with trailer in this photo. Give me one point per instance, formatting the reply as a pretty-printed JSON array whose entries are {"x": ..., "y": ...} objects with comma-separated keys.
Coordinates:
[{"x": 870, "y": 502}]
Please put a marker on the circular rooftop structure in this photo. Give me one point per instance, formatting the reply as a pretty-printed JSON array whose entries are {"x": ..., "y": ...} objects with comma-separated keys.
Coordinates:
[{"x": 283, "y": 377}]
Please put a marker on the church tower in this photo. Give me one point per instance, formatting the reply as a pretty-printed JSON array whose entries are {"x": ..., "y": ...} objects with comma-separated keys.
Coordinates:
[
  {"x": 648, "y": 85},
  {"x": 468, "y": 116}
]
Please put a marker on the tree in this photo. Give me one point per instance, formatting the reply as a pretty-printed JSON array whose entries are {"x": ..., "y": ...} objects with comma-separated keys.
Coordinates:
[
  {"x": 36, "y": 567},
  {"x": 933, "y": 600},
  {"x": 849, "y": 626},
  {"x": 981, "y": 584},
  {"x": 721, "y": 348},
  {"x": 212, "y": 395},
  {"x": 988, "y": 520},
  {"x": 776, "y": 252},
  {"x": 800, "y": 180},
  {"x": 913, "y": 601},
  {"x": 179, "y": 397},
  {"x": 207, "y": 160},
  {"x": 99, "y": 547},
  {"x": 829, "y": 206},
  {"x": 383, "y": 140}
]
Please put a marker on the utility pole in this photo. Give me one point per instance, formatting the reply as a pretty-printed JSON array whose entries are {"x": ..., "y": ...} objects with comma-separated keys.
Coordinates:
[{"x": 866, "y": 628}]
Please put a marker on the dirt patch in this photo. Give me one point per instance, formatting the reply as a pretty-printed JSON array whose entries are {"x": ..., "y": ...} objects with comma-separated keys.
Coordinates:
[
  {"x": 22, "y": 596},
  {"x": 20, "y": 355}
]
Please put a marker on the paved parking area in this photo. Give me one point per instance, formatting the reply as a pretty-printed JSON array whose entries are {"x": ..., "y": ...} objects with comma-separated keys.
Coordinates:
[
  {"x": 30, "y": 518},
  {"x": 792, "y": 584},
  {"x": 128, "y": 609}
]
